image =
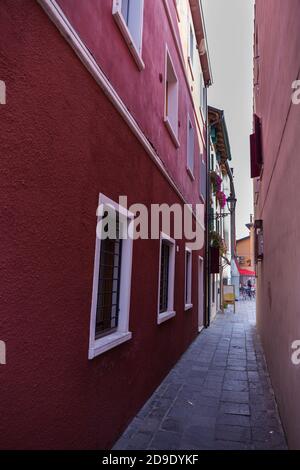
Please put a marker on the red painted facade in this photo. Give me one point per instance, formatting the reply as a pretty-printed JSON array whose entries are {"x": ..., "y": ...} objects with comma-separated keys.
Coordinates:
[
  {"x": 277, "y": 199},
  {"x": 62, "y": 143}
]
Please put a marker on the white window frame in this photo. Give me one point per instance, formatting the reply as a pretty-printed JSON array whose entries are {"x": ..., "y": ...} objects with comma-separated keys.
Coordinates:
[
  {"x": 172, "y": 127},
  {"x": 176, "y": 3},
  {"x": 188, "y": 279},
  {"x": 190, "y": 153},
  {"x": 122, "y": 333},
  {"x": 202, "y": 167},
  {"x": 170, "y": 312},
  {"x": 135, "y": 49},
  {"x": 191, "y": 49},
  {"x": 202, "y": 91}
]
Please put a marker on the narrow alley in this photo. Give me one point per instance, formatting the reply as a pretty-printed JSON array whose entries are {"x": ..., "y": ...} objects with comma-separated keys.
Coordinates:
[
  {"x": 150, "y": 263},
  {"x": 218, "y": 396}
]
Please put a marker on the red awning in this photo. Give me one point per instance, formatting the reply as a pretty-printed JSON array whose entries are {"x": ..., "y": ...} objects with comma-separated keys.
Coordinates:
[{"x": 246, "y": 272}]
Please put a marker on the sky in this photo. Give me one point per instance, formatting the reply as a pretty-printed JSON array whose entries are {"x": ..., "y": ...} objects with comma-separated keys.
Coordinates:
[{"x": 229, "y": 27}]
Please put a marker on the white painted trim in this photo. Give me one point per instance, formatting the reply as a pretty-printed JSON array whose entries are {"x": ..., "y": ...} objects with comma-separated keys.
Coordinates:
[
  {"x": 2, "y": 92},
  {"x": 189, "y": 169},
  {"x": 122, "y": 334},
  {"x": 171, "y": 131},
  {"x": 188, "y": 305},
  {"x": 200, "y": 269},
  {"x": 165, "y": 316},
  {"x": 106, "y": 201},
  {"x": 170, "y": 313},
  {"x": 183, "y": 66},
  {"x": 55, "y": 13},
  {"x": 177, "y": 11},
  {"x": 191, "y": 175},
  {"x": 191, "y": 67},
  {"x": 108, "y": 342},
  {"x": 136, "y": 50}
]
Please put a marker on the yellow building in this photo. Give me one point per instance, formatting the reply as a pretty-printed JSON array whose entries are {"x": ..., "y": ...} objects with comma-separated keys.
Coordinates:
[{"x": 245, "y": 254}]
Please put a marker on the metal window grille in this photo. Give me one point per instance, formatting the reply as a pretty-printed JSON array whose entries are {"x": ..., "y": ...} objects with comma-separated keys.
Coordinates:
[
  {"x": 164, "y": 276},
  {"x": 108, "y": 301}
]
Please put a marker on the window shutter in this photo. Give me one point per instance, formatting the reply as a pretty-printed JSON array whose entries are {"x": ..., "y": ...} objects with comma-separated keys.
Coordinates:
[
  {"x": 256, "y": 149},
  {"x": 203, "y": 179}
]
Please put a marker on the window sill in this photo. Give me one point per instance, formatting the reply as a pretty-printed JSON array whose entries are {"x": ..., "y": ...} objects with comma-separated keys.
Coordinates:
[
  {"x": 172, "y": 133},
  {"x": 128, "y": 39},
  {"x": 108, "y": 342},
  {"x": 162, "y": 317},
  {"x": 202, "y": 115},
  {"x": 190, "y": 173},
  {"x": 202, "y": 197},
  {"x": 188, "y": 307}
]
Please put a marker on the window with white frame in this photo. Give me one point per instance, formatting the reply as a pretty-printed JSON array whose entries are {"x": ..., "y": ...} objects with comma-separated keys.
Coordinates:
[
  {"x": 171, "y": 99},
  {"x": 190, "y": 147},
  {"x": 191, "y": 45},
  {"x": 202, "y": 96},
  {"x": 202, "y": 178},
  {"x": 166, "y": 278},
  {"x": 177, "y": 8},
  {"x": 129, "y": 17},
  {"x": 188, "y": 279},
  {"x": 109, "y": 325}
]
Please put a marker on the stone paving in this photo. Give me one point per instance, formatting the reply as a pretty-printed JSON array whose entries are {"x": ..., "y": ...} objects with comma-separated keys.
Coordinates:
[{"x": 218, "y": 396}]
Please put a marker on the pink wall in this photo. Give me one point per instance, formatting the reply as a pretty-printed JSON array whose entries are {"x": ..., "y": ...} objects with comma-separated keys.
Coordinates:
[
  {"x": 62, "y": 143},
  {"x": 279, "y": 201},
  {"x": 143, "y": 92}
]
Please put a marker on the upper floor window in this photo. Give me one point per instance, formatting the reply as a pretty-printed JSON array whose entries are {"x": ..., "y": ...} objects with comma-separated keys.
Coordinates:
[
  {"x": 190, "y": 148},
  {"x": 188, "y": 278},
  {"x": 166, "y": 279},
  {"x": 191, "y": 43},
  {"x": 171, "y": 99},
  {"x": 129, "y": 17},
  {"x": 203, "y": 97}
]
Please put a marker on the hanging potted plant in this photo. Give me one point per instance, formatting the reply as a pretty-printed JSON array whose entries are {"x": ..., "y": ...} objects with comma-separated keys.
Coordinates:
[
  {"x": 218, "y": 242},
  {"x": 216, "y": 181},
  {"x": 215, "y": 252},
  {"x": 221, "y": 198}
]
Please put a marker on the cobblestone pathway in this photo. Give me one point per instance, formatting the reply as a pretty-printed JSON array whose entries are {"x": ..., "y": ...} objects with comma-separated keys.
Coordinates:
[{"x": 218, "y": 396}]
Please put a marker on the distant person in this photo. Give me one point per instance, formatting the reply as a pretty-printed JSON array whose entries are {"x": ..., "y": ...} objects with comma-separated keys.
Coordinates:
[{"x": 249, "y": 287}]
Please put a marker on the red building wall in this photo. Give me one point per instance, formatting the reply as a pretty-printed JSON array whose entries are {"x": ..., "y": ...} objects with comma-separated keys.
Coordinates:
[
  {"x": 62, "y": 142},
  {"x": 143, "y": 92},
  {"x": 277, "y": 200}
]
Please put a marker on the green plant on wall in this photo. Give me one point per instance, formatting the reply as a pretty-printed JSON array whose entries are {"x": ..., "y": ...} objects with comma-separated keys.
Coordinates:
[{"x": 218, "y": 242}]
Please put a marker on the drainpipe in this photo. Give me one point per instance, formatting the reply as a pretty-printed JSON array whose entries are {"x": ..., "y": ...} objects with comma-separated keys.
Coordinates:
[
  {"x": 207, "y": 306},
  {"x": 207, "y": 222},
  {"x": 232, "y": 216}
]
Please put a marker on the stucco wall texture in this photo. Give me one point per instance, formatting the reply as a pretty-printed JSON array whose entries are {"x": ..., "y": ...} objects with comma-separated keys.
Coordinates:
[
  {"x": 277, "y": 26},
  {"x": 62, "y": 143},
  {"x": 143, "y": 92}
]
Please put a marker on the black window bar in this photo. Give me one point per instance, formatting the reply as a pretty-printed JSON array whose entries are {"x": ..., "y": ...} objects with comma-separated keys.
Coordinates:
[
  {"x": 108, "y": 300},
  {"x": 164, "y": 277}
]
